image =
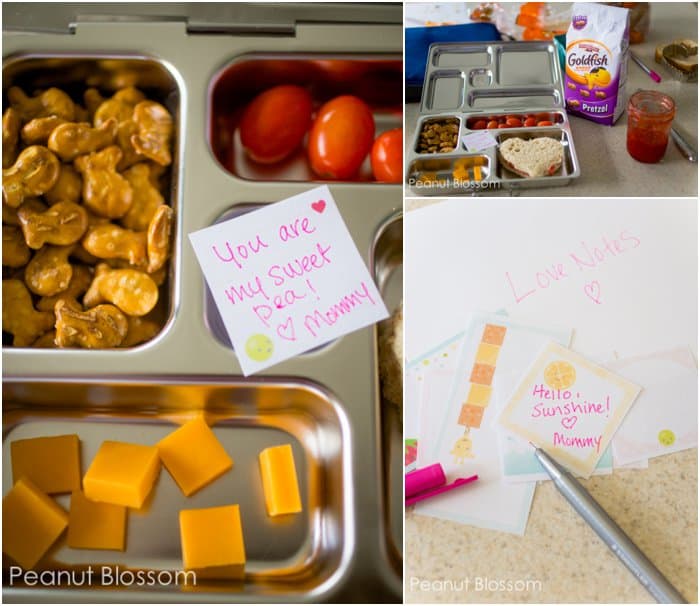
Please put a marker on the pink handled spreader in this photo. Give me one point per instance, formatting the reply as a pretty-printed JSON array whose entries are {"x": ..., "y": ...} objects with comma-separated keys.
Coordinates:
[{"x": 430, "y": 481}]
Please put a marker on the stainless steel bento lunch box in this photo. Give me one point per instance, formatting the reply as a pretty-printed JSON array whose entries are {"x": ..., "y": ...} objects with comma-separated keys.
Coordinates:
[{"x": 470, "y": 82}]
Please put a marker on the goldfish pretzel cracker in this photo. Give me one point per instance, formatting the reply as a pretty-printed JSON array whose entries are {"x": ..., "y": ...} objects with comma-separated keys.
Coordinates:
[
  {"x": 34, "y": 173},
  {"x": 49, "y": 272},
  {"x": 100, "y": 327},
  {"x": 130, "y": 290},
  {"x": 61, "y": 224},
  {"x": 105, "y": 191},
  {"x": 19, "y": 317}
]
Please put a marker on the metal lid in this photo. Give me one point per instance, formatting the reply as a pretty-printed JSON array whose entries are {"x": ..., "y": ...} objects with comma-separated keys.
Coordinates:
[{"x": 200, "y": 17}]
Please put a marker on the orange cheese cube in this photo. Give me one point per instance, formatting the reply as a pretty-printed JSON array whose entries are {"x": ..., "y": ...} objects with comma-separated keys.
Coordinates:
[
  {"x": 94, "y": 525},
  {"x": 31, "y": 523},
  {"x": 279, "y": 477},
  {"x": 52, "y": 464},
  {"x": 212, "y": 542},
  {"x": 193, "y": 456},
  {"x": 122, "y": 474}
]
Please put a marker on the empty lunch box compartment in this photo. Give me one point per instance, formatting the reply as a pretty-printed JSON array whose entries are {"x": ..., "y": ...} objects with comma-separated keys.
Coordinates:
[
  {"x": 75, "y": 73},
  {"x": 526, "y": 67},
  {"x": 517, "y": 98},
  {"x": 296, "y": 554},
  {"x": 445, "y": 90},
  {"x": 377, "y": 80}
]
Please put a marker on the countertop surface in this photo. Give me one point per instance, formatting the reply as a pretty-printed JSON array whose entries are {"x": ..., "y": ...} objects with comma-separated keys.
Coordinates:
[
  {"x": 606, "y": 167},
  {"x": 560, "y": 559}
]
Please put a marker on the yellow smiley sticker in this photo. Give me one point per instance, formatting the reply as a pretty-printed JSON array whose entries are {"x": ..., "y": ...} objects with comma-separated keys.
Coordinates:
[
  {"x": 666, "y": 437},
  {"x": 259, "y": 347},
  {"x": 560, "y": 375}
]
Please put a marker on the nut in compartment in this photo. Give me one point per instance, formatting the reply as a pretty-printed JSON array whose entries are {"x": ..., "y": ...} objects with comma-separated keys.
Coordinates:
[
  {"x": 438, "y": 135},
  {"x": 91, "y": 145}
]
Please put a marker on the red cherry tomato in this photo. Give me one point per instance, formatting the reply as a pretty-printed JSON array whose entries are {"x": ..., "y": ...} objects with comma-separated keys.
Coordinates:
[
  {"x": 517, "y": 117},
  {"x": 545, "y": 116},
  {"x": 503, "y": 125},
  {"x": 492, "y": 124},
  {"x": 545, "y": 123},
  {"x": 275, "y": 122},
  {"x": 513, "y": 122},
  {"x": 387, "y": 156},
  {"x": 341, "y": 137},
  {"x": 479, "y": 124},
  {"x": 531, "y": 122}
]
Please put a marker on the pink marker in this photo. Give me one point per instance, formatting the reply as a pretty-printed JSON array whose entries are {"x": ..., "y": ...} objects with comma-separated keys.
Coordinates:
[{"x": 430, "y": 481}]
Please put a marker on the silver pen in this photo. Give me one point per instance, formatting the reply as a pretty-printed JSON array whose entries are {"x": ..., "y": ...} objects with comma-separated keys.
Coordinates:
[{"x": 613, "y": 536}]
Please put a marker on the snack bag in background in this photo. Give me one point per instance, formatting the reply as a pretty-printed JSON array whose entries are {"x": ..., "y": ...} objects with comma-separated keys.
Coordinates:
[{"x": 597, "y": 45}]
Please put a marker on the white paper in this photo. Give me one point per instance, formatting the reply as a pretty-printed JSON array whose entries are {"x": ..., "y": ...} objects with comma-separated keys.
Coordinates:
[
  {"x": 457, "y": 256},
  {"x": 490, "y": 502},
  {"x": 479, "y": 140},
  {"x": 442, "y": 356},
  {"x": 664, "y": 419},
  {"x": 287, "y": 278}
]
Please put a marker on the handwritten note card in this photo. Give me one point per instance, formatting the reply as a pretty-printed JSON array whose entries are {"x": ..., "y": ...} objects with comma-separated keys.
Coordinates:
[
  {"x": 569, "y": 407},
  {"x": 287, "y": 278}
]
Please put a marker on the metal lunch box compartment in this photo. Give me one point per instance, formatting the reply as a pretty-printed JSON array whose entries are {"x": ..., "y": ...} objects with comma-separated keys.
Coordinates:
[
  {"x": 74, "y": 73},
  {"x": 356, "y": 557},
  {"x": 387, "y": 264},
  {"x": 468, "y": 82},
  {"x": 297, "y": 555},
  {"x": 377, "y": 80}
]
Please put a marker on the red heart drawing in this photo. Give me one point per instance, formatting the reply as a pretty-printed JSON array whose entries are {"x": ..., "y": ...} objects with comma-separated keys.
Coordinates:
[
  {"x": 319, "y": 206},
  {"x": 569, "y": 422},
  {"x": 286, "y": 330},
  {"x": 592, "y": 291}
]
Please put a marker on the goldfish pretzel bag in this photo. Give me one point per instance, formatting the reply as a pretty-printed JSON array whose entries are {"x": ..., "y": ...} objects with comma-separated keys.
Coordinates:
[{"x": 597, "y": 44}]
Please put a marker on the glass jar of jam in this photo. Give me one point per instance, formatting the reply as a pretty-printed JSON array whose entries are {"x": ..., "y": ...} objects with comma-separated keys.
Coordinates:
[{"x": 649, "y": 118}]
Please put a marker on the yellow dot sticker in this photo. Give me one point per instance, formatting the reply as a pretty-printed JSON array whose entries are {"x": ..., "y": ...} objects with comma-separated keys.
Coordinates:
[
  {"x": 667, "y": 437},
  {"x": 560, "y": 375},
  {"x": 259, "y": 347}
]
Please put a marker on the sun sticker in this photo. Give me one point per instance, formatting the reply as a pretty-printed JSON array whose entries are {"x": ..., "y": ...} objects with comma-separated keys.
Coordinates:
[
  {"x": 560, "y": 375},
  {"x": 259, "y": 347},
  {"x": 667, "y": 437}
]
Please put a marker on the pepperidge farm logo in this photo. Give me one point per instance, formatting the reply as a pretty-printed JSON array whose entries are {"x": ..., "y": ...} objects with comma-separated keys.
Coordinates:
[{"x": 579, "y": 21}]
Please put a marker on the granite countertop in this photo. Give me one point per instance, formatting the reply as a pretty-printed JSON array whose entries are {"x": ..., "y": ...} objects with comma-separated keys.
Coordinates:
[
  {"x": 606, "y": 167},
  {"x": 560, "y": 559}
]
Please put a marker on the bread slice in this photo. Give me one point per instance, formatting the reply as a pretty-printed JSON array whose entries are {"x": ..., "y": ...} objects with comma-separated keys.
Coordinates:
[
  {"x": 539, "y": 157},
  {"x": 681, "y": 55},
  {"x": 391, "y": 357}
]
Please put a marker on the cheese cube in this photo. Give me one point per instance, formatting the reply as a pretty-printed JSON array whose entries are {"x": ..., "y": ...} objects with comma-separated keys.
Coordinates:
[
  {"x": 279, "y": 477},
  {"x": 122, "y": 474},
  {"x": 212, "y": 542},
  {"x": 31, "y": 523},
  {"x": 93, "y": 525},
  {"x": 52, "y": 464},
  {"x": 193, "y": 456}
]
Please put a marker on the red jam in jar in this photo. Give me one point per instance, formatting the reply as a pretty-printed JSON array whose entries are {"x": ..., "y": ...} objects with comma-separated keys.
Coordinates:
[{"x": 649, "y": 118}]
